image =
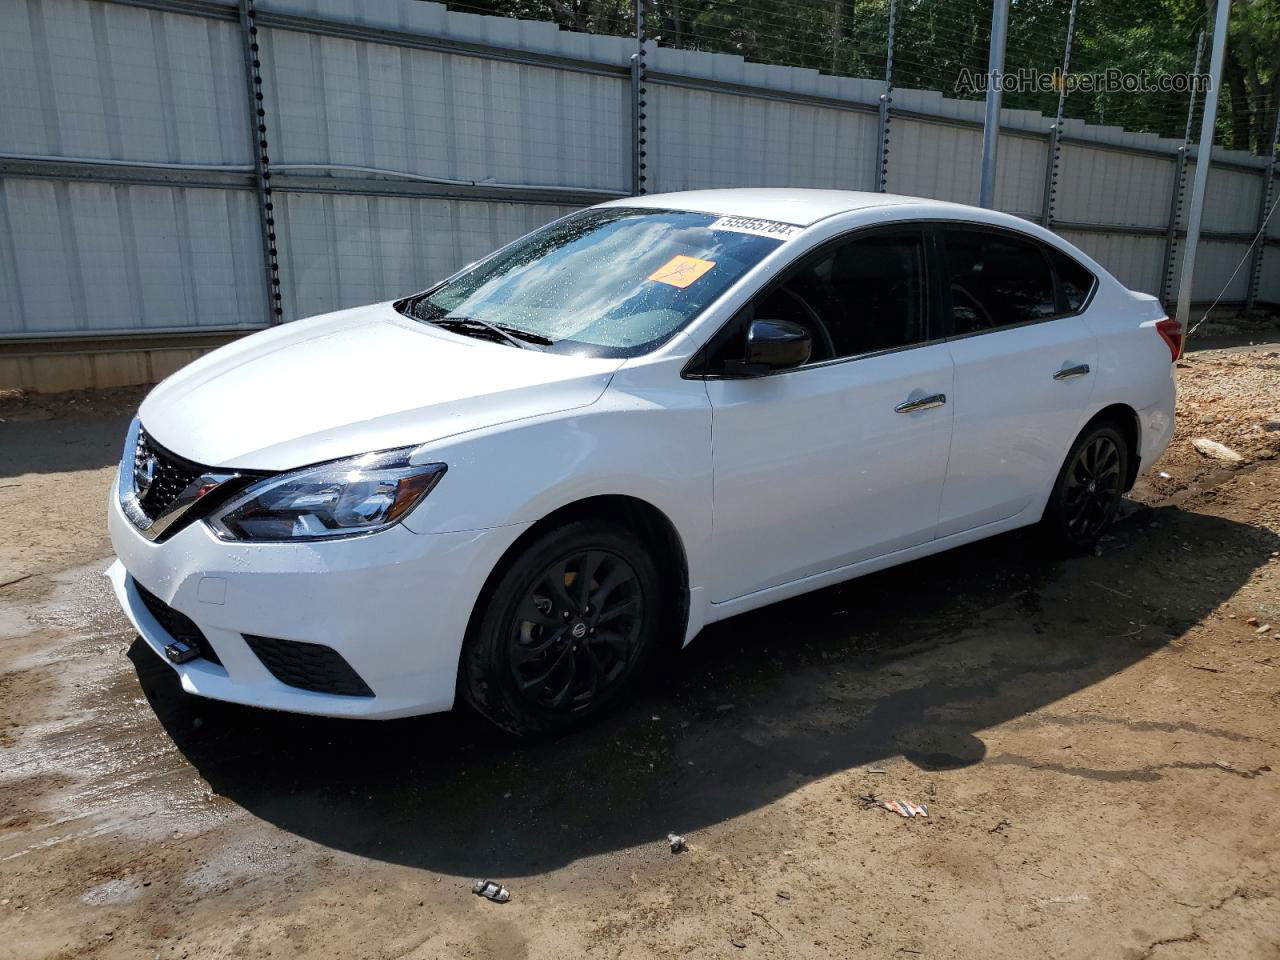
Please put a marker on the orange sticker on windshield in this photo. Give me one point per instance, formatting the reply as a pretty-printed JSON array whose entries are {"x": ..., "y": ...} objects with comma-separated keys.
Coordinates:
[{"x": 680, "y": 271}]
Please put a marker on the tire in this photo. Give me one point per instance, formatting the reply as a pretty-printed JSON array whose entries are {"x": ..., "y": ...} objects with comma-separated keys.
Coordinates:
[
  {"x": 1087, "y": 492},
  {"x": 540, "y": 658}
]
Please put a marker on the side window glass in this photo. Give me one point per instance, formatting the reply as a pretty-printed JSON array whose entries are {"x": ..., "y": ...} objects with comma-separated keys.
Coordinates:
[
  {"x": 996, "y": 280},
  {"x": 865, "y": 295},
  {"x": 1073, "y": 279}
]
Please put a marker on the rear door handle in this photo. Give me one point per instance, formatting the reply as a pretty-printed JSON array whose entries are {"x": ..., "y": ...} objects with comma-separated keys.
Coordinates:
[
  {"x": 1069, "y": 373},
  {"x": 924, "y": 403}
]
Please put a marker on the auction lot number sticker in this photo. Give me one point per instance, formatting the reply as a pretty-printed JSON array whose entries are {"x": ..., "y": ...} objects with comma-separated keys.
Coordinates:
[{"x": 760, "y": 228}]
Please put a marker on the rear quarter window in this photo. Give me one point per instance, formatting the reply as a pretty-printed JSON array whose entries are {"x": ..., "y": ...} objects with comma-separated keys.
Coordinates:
[{"x": 1074, "y": 280}]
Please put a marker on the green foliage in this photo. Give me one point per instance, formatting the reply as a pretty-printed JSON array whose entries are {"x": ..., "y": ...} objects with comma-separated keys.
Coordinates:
[{"x": 939, "y": 42}]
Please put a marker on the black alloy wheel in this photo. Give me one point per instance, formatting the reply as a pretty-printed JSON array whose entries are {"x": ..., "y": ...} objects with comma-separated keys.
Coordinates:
[
  {"x": 577, "y": 630},
  {"x": 567, "y": 624},
  {"x": 1087, "y": 494},
  {"x": 1092, "y": 487}
]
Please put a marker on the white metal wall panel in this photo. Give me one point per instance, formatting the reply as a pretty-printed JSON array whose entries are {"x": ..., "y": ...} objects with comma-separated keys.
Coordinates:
[
  {"x": 1020, "y": 170},
  {"x": 1137, "y": 262},
  {"x": 343, "y": 251},
  {"x": 940, "y": 161},
  {"x": 91, "y": 257},
  {"x": 1269, "y": 288},
  {"x": 1231, "y": 200},
  {"x": 698, "y": 139},
  {"x": 1110, "y": 186},
  {"x": 338, "y": 101},
  {"x": 102, "y": 80},
  {"x": 944, "y": 162},
  {"x": 91, "y": 79},
  {"x": 433, "y": 19},
  {"x": 1216, "y": 262}
]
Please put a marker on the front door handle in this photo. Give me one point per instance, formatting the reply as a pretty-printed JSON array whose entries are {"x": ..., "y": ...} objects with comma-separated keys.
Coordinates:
[
  {"x": 924, "y": 403},
  {"x": 1068, "y": 373}
]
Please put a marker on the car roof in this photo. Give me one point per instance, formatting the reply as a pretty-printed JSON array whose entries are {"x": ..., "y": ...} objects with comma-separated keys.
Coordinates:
[{"x": 801, "y": 207}]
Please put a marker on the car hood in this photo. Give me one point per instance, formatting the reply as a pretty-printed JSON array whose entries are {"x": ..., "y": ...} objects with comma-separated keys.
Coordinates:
[{"x": 354, "y": 381}]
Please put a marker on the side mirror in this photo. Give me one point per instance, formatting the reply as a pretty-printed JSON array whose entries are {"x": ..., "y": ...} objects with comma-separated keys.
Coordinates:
[{"x": 776, "y": 345}]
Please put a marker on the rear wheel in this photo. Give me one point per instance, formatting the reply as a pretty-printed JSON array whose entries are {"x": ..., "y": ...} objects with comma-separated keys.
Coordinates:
[
  {"x": 1087, "y": 494},
  {"x": 566, "y": 629}
]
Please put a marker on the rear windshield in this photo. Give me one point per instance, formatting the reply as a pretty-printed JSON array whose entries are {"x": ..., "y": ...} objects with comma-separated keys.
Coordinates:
[{"x": 609, "y": 282}]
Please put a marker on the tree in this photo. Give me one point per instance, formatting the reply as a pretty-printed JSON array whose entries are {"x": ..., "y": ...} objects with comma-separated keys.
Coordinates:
[
  {"x": 938, "y": 41},
  {"x": 1253, "y": 44}
]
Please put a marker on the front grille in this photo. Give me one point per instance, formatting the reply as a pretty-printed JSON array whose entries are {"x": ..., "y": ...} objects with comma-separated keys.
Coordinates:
[
  {"x": 171, "y": 475},
  {"x": 177, "y": 625},
  {"x": 308, "y": 666}
]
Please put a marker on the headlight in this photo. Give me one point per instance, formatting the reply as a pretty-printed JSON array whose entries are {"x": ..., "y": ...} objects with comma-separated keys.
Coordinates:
[{"x": 341, "y": 498}]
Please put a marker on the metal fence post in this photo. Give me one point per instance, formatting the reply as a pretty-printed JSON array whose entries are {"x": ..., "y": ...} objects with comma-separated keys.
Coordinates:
[
  {"x": 638, "y": 165},
  {"x": 261, "y": 162},
  {"x": 1055, "y": 132},
  {"x": 880, "y": 182},
  {"x": 1204, "y": 162},
  {"x": 1179, "y": 183},
  {"x": 995, "y": 90},
  {"x": 1264, "y": 210}
]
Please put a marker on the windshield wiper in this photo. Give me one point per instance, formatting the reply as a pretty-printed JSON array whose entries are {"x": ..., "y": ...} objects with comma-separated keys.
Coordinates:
[
  {"x": 523, "y": 339},
  {"x": 526, "y": 335},
  {"x": 420, "y": 308}
]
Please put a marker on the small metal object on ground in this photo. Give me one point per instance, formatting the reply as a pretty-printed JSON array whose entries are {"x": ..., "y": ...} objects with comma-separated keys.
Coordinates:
[
  {"x": 677, "y": 843},
  {"x": 906, "y": 808},
  {"x": 491, "y": 890}
]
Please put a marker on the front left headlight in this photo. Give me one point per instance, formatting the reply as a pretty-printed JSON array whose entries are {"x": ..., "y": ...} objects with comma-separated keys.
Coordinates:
[{"x": 341, "y": 498}]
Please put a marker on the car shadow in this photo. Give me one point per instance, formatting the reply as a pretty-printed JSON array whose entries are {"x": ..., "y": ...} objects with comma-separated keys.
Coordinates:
[
  {"x": 51, "y": 445},
  {"x": 912, "y": 662}
]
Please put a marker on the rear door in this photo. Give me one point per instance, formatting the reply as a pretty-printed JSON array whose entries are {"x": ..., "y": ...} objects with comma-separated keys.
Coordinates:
[
  {"x": 841, "y": 459},
  {"x": 1025, "y": 365}
]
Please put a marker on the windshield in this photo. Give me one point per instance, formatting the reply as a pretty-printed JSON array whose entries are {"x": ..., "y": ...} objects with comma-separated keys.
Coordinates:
[{"x": 610, "y": 282}]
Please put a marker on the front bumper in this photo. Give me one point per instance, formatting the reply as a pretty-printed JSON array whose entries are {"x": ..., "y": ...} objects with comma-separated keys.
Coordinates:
[{"x": 394, "y": 605}]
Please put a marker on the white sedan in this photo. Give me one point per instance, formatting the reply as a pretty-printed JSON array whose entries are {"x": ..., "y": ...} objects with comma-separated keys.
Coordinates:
[{"x": 521, "y": 484}]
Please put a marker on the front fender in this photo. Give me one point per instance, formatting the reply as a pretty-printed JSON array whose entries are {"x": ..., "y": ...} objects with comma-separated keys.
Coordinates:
[{"x": 639, "y": 440}]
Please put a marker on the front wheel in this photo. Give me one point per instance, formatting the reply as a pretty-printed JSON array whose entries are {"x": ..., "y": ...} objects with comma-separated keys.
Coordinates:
[
  {"x": 567, "y": 627},
  {"x": 1087, "y": 493}
]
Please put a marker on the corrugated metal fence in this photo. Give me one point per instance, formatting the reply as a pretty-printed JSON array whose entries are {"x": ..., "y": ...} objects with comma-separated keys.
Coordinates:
[{"x": 404, "y": 140}]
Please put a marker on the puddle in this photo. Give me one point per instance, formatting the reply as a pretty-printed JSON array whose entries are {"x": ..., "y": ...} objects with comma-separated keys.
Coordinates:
[{"x": 87, "y": 726}]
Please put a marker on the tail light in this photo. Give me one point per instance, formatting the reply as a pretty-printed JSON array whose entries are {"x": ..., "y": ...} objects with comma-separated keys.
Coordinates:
[{"x": 1170, "y": 331}]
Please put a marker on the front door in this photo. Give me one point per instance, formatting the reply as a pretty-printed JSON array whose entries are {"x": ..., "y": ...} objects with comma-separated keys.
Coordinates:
[{"x": 841, "y": 459}]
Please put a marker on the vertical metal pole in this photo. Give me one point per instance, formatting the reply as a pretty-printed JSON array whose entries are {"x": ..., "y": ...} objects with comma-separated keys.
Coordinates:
[
  {"x": 1055, "y": 132},
  {"x": 261, "y": 162},
  {"x": 1179, "y": 184},
  {"x": 1204, "y": 160},
  {"x": 1264, "y": 208},
  {"x": 880, "y": 181},
  {"x": 638, "y": 164},
  {"x": 995, "y": 89},
  {"x": 1175, "y": 214}
]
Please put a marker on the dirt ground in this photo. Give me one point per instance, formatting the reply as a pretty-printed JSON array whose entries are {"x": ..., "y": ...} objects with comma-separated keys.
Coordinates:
[{"x": 1096, "y": 739}]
